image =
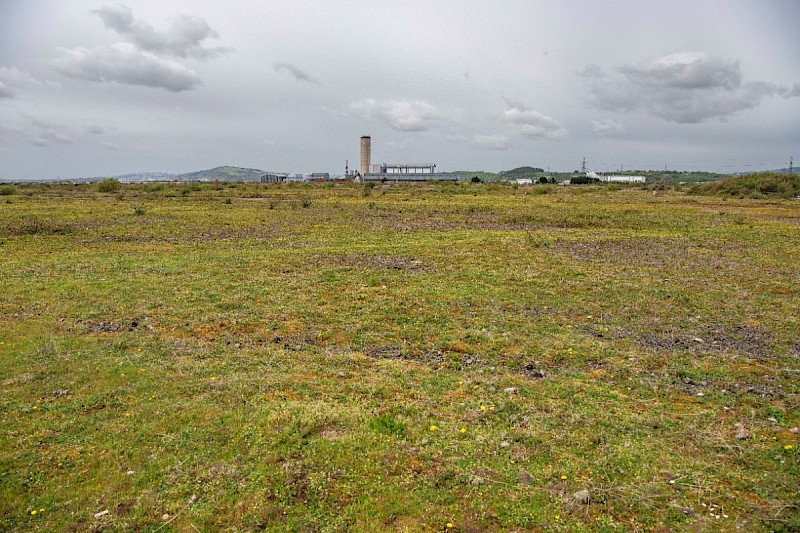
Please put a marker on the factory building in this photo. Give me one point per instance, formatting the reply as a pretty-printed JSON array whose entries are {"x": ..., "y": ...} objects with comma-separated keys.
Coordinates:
[{"x": 398, "y": 172}]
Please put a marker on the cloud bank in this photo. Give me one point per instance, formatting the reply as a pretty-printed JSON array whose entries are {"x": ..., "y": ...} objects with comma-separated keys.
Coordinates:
[
  {"x": 124, "y": 63},
  {"x": 401, "y": 115},
  {"x": 684, "y": 88},
  {"x": 533, "y": 123},
  {"x": 184, "y": 38}
]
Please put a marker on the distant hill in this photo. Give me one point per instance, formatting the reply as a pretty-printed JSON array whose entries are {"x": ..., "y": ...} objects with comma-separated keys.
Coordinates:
[
  {"x": 521, "y": 172},
  {"x": 223, "y": 174}
]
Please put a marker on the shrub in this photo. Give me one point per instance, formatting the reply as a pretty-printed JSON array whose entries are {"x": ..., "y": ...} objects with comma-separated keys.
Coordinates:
[
  {"x": 7, "y": 190},
  {"x": 109, "y": 185},
  {"x": 139, "y": 210}
]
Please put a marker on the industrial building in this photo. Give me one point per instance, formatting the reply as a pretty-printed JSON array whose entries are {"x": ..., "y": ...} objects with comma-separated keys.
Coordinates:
[
  {"x": 398, "y": 172},
  {"x": 616, "y": 179}
]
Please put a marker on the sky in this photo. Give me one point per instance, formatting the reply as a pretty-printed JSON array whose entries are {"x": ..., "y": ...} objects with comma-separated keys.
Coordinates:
[{"x": 93, "y": 88}]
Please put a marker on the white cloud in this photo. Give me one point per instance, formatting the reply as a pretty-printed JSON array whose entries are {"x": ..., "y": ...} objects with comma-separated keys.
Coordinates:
[
  {"x": 607, "y": 126},
  {"x": 47, "y": 136},
  {"x": 11, "y": 79},
  {"x": 295, "y": 71},
  {"x": 489, "y": 142},
  {"x": 124, "y": 63},
  {"x": 683, "y": 88},
  {"x": 402, "y": 115},
  {"x": 183, "y": 38},
  {"x": 533, "y": 123}
]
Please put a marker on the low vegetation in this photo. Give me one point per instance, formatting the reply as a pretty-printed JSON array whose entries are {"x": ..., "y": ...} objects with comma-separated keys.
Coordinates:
[
  {"x": 419, "y": 358},
  {"x": 760, "y": 185}
]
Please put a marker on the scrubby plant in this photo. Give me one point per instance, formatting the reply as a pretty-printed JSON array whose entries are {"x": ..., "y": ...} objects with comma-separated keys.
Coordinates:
[
  {"x": 109, "y": 185},
  {"x": 7, "y": 190}
]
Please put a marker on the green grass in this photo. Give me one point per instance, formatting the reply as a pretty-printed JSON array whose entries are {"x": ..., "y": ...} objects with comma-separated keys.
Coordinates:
[
  {"x": 313, "y": 358},
  {"x": 759, "y": 185}
]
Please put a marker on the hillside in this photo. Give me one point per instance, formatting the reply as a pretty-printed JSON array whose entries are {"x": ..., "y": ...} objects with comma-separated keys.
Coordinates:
[{"x": 223, "y": 174}]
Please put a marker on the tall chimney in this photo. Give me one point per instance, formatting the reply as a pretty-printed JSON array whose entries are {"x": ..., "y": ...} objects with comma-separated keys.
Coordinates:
[{"x": 365, "y": 154}]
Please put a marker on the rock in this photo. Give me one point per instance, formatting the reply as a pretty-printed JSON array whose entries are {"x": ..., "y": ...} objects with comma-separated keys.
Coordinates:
[
  {"x": 477, "y": 480},
  {"x": 741, "y": 432},
  {"x": 581, "y": 497},
  {"x": 101, "y": 514},
  {"x": 794, "y": 430},
  {"x": 504, "y": 444},
  {"x": 511, "y": 390},
  {"x": 773, "y": 420},
  {"x": 165, "y": 517},
  {"x": 700, "y": 394},
  {"x": 698, "y": 340}
]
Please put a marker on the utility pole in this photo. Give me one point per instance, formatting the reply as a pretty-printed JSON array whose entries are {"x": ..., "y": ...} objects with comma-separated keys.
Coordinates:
[
  {"x": 791, "y": 161},
  {"x": 583, "y": 165}
]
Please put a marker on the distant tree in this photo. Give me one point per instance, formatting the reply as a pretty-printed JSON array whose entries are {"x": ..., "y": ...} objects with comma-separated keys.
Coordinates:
[{"x": 543, "y": 180}]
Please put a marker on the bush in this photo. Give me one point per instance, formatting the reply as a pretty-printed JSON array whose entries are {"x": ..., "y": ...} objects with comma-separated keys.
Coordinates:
[
  {"x": 7, "y": 190},
  {"x": 109, "y": 185}
]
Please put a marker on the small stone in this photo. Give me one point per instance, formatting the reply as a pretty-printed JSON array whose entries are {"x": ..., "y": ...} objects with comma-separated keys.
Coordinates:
[
  {"x": 582, "y": 497},
  {"x": 477, "y": 480},
  {"x": 741, "y": 432},
  {"x": 700, "y": 394},
  {"x": 698, "y": 340},
  {"x": 511, "y": 390},
  {"x": 794, "y": 430},
  {"x": 165, "y": 517},
  {"x": 101, "y": 514},
  {"x": 772, "y": 419},
  {"x": 504, "y": 444},
  {"x": 130, "y": 472}
]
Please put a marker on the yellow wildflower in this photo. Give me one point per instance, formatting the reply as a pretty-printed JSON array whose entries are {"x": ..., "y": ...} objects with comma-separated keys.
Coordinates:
[
  {"x": 788, "y": 447},
  {"x": 449, "y": 525},
  {"x": 433, "y": 427},
  {"x": 33, "y": 512},
  {"x": 483, "y": 407},
  {"x": 563, "y": 477},
  {"x": 462, "y": 430},
  {"x": 491, "y": 407}
]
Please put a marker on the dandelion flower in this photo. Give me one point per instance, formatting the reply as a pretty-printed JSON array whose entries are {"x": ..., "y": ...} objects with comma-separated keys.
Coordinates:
[
  {"x": 462, "y": 430},
  {"x": 433, "y": 427},
  {"x": 33, "y": 512},
  {"x": 788, "y": 447},
  {"x": 563, "y": 477},
  {"x": 449, "y": 525},
  {"x": 558, "y": 517},
  {"x": 41, "y": 510},
  {"x": 213, "y": 378},
  {"x": 460, "y": 382},
  {"x": 491, "y": 407},
  {"x": 483, "y": 407}
]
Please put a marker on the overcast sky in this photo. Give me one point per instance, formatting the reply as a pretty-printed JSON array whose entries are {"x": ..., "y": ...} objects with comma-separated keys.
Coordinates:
[{"x": 89, "y": 88}]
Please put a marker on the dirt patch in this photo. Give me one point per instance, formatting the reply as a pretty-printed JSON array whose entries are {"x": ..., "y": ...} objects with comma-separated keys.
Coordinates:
[
  {"x": 114, "y": 326},
  {"x": 375, "y": 262},
  {"x": 751, "y": 341}
]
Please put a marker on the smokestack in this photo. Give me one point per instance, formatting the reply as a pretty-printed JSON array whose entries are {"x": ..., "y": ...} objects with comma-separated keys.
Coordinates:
[{"x": 365, "y": 154}]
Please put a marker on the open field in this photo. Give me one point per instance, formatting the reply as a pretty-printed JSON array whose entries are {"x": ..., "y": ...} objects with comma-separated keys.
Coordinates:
[{"x": 425, "y": 358}]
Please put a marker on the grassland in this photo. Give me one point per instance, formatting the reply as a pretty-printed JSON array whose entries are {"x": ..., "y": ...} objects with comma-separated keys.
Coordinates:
[{"x": 429, "y": 358}]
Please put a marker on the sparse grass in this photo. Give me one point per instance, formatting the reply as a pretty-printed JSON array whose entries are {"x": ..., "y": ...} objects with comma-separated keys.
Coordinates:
[
  {"x": 306, "y": 358},
  {"x": 759, "y": 185}
]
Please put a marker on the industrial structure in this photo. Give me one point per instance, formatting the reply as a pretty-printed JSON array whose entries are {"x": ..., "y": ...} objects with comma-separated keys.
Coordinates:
[
  {"x": 398, "y": 172},
  {"x": 366, "y": 154}
]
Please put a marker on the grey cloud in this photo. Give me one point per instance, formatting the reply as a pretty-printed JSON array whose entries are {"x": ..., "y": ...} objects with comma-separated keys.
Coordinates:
[
  {"x": 295, "y": 71},
  {"x": 109, "y": 146},
  {"x": 11, "y": 79},
  {"x": 95, "y": 128},
  {"x": 794, "y": 92},
  {"x": 47, "y": 136},
  {"x": 607, "y": 126},
  {"x": 184, "y": 38},
  {"x": 533, "y": 123},
  {"x": 682, "y": 88},
  {"x": 402, "y": 115},
  {"x": 123, "y": 63},
  {"x": 592, "y": 71}
]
